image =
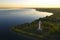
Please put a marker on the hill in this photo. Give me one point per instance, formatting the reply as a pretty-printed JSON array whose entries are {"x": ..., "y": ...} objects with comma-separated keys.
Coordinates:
[{"x": 50, "y": 26}]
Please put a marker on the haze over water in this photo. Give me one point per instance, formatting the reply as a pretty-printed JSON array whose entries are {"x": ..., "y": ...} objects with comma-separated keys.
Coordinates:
[{"x": 9, "y": 17}]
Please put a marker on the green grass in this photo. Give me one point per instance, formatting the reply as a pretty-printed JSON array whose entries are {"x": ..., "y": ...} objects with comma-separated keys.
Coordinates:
[{"x": 50, "y": 26}]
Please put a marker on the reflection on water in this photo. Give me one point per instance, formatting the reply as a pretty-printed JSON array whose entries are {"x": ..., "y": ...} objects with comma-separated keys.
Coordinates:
[{"x": 17, "y": 16}]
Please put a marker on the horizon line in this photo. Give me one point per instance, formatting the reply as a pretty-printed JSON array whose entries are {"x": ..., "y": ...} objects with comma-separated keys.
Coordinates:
[{"x": 25, "y": 7}]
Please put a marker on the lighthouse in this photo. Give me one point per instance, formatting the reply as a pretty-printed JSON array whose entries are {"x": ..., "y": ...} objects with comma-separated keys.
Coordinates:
[{"x": 39, "y": 26}]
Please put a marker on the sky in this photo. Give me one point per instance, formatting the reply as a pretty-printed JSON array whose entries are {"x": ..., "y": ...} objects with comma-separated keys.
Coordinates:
[{"x": 30, "y": 3}]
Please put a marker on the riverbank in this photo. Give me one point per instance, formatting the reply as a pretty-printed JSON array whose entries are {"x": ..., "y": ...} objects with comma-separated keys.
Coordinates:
[
  {"x": 50, "y": 26},
  {"x": 22, "y": 35}
]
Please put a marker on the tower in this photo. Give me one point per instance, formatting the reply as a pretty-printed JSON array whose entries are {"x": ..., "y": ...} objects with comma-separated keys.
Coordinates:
[{"x": 39, "y": 25}]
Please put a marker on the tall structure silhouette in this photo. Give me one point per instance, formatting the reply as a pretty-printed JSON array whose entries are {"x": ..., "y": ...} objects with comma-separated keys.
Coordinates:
[{"x": 39, "y": 25}]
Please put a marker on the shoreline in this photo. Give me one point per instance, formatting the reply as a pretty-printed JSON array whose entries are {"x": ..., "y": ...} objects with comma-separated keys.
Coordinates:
[{"x": 26, "y": 36}]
